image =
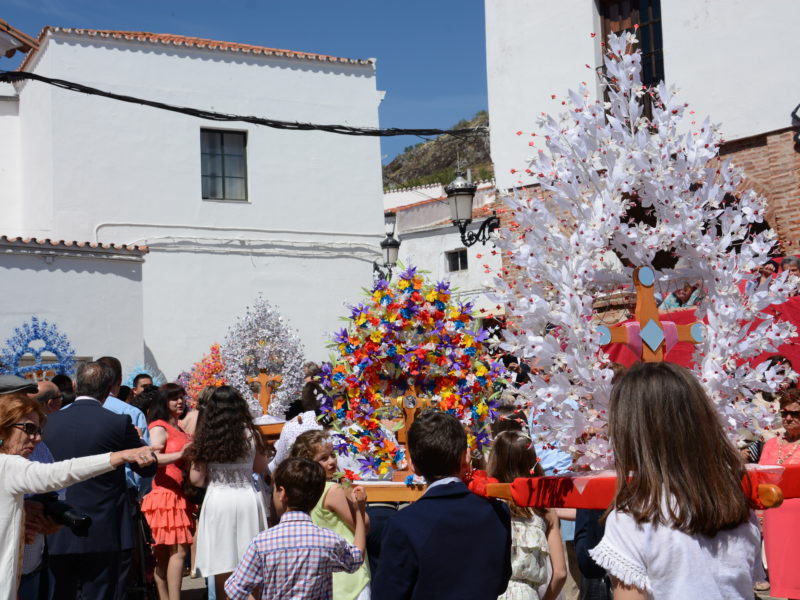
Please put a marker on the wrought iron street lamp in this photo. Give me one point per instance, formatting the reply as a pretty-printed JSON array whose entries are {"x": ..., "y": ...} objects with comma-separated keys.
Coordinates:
[
  {"x": 390, "y": 248},
  {"x": 460, "y": 195}
]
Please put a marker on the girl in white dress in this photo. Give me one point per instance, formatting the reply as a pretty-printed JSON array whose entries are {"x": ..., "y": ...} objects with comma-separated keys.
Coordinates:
[
  {"x": 226, "y": 452},
  {"x": 535, "y": 532},
  {"x": 680, "y": 525}
]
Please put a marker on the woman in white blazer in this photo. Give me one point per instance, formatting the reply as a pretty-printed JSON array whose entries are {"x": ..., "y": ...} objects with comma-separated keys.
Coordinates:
[{"x": 21, "y": 419}]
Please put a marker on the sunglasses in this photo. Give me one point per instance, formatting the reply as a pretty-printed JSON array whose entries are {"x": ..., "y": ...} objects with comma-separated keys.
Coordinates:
[
  {"x": 31, "y": 429},
  {"x": 795, "y": 414}
]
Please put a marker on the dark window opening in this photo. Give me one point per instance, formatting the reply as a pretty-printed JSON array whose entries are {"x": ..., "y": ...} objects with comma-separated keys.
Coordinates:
[
  {"x": 223, "y": 157},
  {"x": 456, "y": 260}
]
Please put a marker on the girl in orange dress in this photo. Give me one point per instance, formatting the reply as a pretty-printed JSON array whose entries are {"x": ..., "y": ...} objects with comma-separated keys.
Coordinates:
[
  {"x": 781, "y": 524},
  {"x": 166, "y": 509}
]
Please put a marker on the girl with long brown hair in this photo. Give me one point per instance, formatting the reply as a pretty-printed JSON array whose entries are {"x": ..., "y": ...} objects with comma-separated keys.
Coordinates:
[
  {"x": 227, "y": 450},
  {"x": 681, "y": 525},
  {"x": 535, "y": 533}
]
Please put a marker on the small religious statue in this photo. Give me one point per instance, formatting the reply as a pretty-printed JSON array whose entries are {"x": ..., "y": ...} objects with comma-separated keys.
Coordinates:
[{"x": 267, "y": 385}]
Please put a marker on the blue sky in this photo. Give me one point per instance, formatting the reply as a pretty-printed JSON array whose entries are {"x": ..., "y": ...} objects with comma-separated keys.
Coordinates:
[{"x": 431, "y": 53}]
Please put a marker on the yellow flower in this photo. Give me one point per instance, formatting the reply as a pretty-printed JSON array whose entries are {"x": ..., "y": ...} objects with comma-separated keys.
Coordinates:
[
  {"x": 481, "y": 371},
  {"x": 376, "y": 336},
  {"x": 482, "y": 409},
  {"x": 431, "y": 296},
  {"x": 403, "y": 284}
]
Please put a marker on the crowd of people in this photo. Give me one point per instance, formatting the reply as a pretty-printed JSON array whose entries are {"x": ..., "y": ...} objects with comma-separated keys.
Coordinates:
[{"x": 103, "y": 495}]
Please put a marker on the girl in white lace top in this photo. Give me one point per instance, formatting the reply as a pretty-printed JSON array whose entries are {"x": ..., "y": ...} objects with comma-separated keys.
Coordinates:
[
  {"x": 535, "y": 533},
  {"x": 681, "y": 525}
]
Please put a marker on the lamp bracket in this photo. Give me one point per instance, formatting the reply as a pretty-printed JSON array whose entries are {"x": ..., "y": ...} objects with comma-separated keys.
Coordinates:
[{"x": 470, "y": 238}]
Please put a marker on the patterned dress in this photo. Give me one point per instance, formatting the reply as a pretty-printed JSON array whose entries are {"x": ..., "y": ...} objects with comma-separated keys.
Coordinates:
[
  {"x": 529, "y": 554},
  {"x": 166, "y": 509}
]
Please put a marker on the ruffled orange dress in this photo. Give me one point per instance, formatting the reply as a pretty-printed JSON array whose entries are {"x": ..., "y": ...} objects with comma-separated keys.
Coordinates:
[{"x": 166, "y": 509}]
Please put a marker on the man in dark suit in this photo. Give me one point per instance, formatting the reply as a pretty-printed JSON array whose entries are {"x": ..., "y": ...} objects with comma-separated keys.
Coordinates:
[
  {"x": 92, "y": 564},
  {"x": 451, "y": 543}
]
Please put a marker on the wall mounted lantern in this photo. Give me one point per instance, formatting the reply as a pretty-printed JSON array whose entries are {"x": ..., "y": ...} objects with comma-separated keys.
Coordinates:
[
  {"x": 460, "y": 195},
  {"x": 390, "y": 248}
]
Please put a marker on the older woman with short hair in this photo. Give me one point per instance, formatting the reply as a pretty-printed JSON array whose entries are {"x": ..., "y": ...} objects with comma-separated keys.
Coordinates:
[
  {"x": 21, "y": 421},
  {"x": 781, "y": 524}
]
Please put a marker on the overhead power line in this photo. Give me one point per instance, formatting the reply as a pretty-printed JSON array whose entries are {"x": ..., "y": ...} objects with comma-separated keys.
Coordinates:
[{"x": 15, "y": 76}]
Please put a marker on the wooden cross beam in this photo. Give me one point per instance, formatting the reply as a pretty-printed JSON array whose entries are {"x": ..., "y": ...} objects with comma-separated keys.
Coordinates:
[
  {"x": 647, "y": 336},
  {"x": 411, "y": 406},
  {"x": 266, "y": 383}
]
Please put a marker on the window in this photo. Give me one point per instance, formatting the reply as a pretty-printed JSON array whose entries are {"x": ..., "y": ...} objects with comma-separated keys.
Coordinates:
[
  {"x": 456, "y": 260},
  {"x": 224, "y": 164},
  {"x": 622, "y": 15}
]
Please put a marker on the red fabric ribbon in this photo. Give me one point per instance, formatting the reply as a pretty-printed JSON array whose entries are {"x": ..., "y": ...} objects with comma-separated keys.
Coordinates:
[{"x": 478, "y": 480}]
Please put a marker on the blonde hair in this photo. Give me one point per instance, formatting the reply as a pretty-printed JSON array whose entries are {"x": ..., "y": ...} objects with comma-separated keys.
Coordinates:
[{"x": 305, "y": 446}]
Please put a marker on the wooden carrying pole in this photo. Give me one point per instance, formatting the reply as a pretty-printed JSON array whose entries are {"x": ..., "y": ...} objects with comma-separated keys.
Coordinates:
[{"x": 597, "y": 492}]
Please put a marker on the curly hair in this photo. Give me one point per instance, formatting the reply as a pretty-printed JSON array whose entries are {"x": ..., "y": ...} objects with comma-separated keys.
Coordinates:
[
  {"x": 307, "y": 443},
  {"x": 225, "y": 429}
]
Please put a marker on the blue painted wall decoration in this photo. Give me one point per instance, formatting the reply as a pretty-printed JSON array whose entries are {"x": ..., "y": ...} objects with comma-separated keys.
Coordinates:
[{"x": 37, "y": 339}]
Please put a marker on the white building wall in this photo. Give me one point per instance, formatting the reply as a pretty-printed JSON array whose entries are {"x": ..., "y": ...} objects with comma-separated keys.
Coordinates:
[
  {"x": 735, "y": 61},
  {"x": 426, "y": 250},
  {"x": 96, "y": 302},
  {"x": 123, "y": 173},
  {"x": 533, "y": 50},
  {"x": 732, "y": 60},
  {"x": 10, "y": 168}
]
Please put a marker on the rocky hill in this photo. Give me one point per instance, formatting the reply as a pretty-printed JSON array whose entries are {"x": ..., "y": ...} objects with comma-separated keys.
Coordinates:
[{"x": 434, "y": 161}]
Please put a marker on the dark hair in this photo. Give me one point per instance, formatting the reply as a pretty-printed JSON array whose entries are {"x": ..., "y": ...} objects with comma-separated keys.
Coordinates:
[
  {"x": 310, "y": 396},
  {"x": 148, "y": 397},
  {"x": 788, "y": 396},
  {"x": 94, "y": 379},
  {"x": 159, "y": 407},
  {"x": 141, "y": 376},
  {"x": 114, "y": 365},
  {"x": 303, "y": 480},
  {"x": 64, "y": 383},
  {"x": 672, "y": 454},
  {"x": 514, "y": 456},
  {"x": 305, "y": 445},
  {"x": 510, "y": 418},
  {"x": 225, "y": 430},
  {"x": 437, "y": 443},
  {"x": 124, "y": 393}
]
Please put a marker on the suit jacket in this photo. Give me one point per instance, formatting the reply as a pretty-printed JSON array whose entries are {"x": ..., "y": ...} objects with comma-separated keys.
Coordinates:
[
  {"x": 82, "y": 429},
  {"x": 451, "y": 543}
]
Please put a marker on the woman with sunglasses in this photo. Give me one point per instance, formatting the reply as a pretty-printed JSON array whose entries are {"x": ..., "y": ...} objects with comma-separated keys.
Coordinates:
[
  {"x": 21, "y": 420},
  {"x": 781, "y": 524}
]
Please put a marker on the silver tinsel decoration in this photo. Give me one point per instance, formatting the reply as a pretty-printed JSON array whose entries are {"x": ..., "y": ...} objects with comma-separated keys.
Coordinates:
[{"x": 261, "y": 339}]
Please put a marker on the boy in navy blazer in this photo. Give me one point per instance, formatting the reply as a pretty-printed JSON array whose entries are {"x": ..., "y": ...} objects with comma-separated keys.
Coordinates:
[{"x": 451, "y": 543}]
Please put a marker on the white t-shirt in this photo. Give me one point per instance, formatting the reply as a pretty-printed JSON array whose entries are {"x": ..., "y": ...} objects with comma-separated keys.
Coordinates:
[{"x": 669, "y": 564}]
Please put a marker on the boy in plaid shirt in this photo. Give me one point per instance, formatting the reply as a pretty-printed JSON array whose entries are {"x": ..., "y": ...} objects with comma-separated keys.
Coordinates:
[{"x": 295, "y": 560}]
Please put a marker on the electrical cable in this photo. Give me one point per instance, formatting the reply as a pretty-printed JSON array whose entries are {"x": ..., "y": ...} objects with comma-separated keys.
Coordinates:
[{"x": 17, "y": 76}]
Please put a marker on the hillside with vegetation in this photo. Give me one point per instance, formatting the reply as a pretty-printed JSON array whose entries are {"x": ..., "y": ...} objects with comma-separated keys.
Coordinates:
[{"x": 435, "y": 161}]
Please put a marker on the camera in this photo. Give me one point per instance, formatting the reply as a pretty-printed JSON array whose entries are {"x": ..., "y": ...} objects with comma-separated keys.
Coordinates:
[{"x": 64, "y": 514}]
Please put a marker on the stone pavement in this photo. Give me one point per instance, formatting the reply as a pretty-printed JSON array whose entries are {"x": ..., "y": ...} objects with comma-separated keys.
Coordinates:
[{"x": 193, "y": 589}]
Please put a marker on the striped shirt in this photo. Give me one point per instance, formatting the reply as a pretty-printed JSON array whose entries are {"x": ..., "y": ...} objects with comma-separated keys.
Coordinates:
[{"x": 294, "y": 560}]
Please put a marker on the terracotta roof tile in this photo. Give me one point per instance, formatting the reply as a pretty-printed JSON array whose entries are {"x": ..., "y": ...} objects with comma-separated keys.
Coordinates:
[
  {"x": 62, "y": 244},
  {"x": 168, "y": 39}
]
